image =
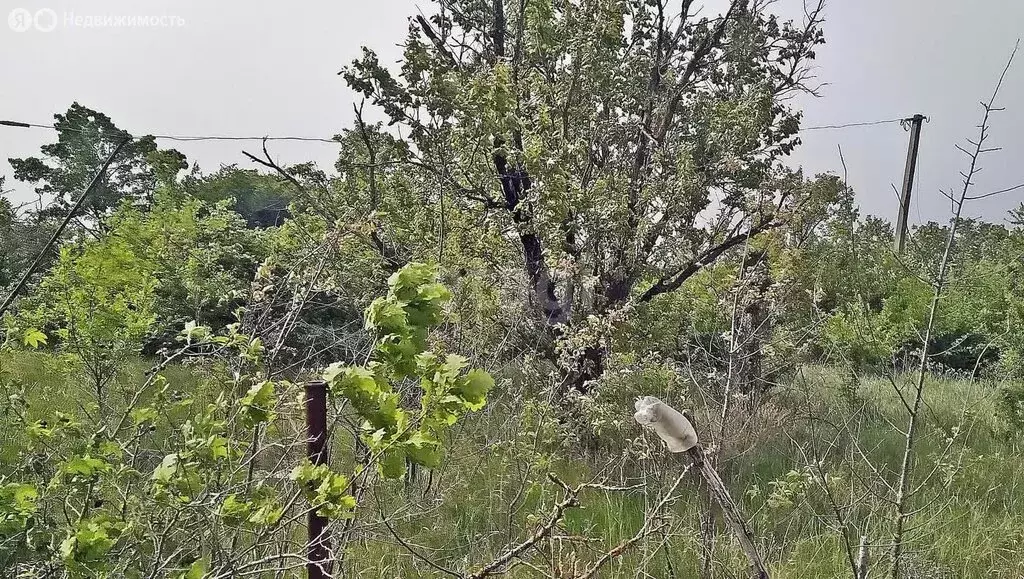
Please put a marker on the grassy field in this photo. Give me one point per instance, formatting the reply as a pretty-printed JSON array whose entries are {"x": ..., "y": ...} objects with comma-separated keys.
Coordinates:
[
  {"x": 820, "y": 445},
  {"x": 51, "y": 385},
  {"x": 968, "y": 522}
]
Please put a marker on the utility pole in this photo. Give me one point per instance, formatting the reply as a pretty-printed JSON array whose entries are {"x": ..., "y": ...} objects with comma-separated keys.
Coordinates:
[{"x": 908, "y": 180}]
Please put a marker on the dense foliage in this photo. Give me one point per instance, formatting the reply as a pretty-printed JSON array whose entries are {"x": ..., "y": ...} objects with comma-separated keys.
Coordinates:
[
  {"x": 178, "y": 482},
  {"x": 568, "y": 205}
]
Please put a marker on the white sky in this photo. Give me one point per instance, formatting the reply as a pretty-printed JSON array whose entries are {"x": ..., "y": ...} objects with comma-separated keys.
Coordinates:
[{"x": 257, "y": 68}]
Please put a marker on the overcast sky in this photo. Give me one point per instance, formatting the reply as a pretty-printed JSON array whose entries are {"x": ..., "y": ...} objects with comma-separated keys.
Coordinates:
[{"x": 258, "y": 68}]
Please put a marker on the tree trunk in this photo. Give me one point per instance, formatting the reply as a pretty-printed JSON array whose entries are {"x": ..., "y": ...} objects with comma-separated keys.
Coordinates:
[
  {"x": 587, "y": 367},
  {"x": 753, "y": 327}
]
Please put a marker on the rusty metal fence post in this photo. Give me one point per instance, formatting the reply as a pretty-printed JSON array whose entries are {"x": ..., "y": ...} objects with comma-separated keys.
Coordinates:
[{"x": 319, "y": 553}]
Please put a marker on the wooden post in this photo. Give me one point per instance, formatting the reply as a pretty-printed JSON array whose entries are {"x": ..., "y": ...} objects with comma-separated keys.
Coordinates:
[
  {"x": 908, "y": 181},
  {"x": 319, "y": 546},
  {"x": 730, "y": 512},
  {"x": 677, "y": 431}
]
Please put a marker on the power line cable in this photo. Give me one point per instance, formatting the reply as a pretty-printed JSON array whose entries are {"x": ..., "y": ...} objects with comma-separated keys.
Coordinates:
[
  {"x": 192, "y": 138},
  {"x": 851, "y": 125},
  {"x": 20, "y": 124}
]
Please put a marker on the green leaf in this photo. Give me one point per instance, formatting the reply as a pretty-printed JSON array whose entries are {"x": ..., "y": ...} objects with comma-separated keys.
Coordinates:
[
  {"x": 434, "y": 292},
  {"x": 39, "y": 429},
  {"x": 253, "y": 350},
  {"x": 84, "y": 466},
  {"x": 193, "y": 332},
  {"x": 304, "y": 473},
  {"x": 90, "y": 542},
  {"x": 266, "y": 512},
  {"x": 234, "y": 511},
  {"x": 24, "y": 496},
  {"x": 473, "y": 387},
  {"x": 110, "y": 449},
  {"x": 392, "y": 465},
  {"x": 454, "y": 363},
  {"x": 423, "y": 449},
  {"x": 326, "y": 490},
  {"x": 18, "y": 498},
  {"x": 198, "y": 569},
  {"x": 333, "y": 372},
  {"x": 357, "y": 384},
  {"x": 405, "y": 283},
  {"x": 386, "y": 316},
  {"x": 219, "y": 447},
  {"x": 144, "y": 415},
  {"x": 17, "y": 507},
  {"x": 167, "y": 469},
  {"x": 33, "y": 338},
  {"x": 258, "y": 404}
]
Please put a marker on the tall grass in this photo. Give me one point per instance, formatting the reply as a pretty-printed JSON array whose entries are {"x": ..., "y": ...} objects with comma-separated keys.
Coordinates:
[
  {"x": 493, "y": 489},
  {"x": 969, "y": 523}
]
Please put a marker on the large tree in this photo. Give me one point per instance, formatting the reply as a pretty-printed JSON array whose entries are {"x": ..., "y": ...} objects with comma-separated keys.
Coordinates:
[
  {"x": 85, "y": 138},
  {"x": 630, "y": 143}
]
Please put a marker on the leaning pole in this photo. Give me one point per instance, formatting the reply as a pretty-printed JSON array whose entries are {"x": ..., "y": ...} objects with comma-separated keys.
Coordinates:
[{"x": 680, "y": 437}]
